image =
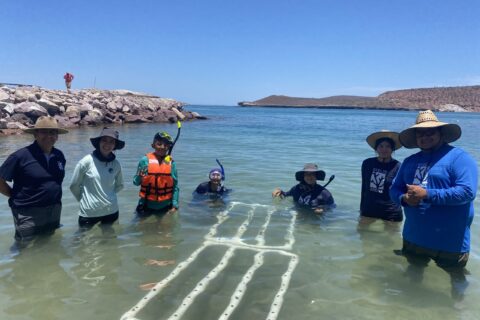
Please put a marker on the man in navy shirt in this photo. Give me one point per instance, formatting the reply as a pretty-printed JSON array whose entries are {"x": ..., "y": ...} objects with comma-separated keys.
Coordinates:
[{"x": 37, "y": 172}]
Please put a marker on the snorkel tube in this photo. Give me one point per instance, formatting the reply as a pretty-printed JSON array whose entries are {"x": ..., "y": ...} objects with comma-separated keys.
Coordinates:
[
  {"x": 179, "y": 126},
  {"x": 223, "y": 170},
  {"x": 329, "y": 180}
]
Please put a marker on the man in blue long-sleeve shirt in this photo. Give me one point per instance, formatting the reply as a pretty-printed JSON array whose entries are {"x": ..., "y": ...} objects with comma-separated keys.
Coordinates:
[{"x": 436, "y": 187}]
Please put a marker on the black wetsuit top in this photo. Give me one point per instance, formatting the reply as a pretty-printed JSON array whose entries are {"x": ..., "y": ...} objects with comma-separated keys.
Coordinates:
[
  {"x": 377, "y": 178},
  {"x": 204, "y": 188},
  {"x": 310, "y": 196}
]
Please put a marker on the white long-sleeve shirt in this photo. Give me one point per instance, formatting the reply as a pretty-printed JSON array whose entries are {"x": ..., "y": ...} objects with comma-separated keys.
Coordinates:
[{"x": 96, "y": 184}]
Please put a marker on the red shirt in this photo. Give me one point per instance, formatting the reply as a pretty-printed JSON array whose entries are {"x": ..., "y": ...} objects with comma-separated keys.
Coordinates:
[{"x": 68, "y": 77}]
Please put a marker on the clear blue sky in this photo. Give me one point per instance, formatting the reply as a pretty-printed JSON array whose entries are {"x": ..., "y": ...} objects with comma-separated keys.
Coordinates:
[{"x": 225, "y": 51}]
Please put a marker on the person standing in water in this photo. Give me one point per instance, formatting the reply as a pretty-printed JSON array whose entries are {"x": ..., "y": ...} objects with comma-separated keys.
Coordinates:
[
  {"x": 157, "y": 177},
  {"x": 437, "y": 187},
  {"x": 309, "y": 194},
  {"x": 215, "y": 184},
  {"x": 97, "y": 179},
  {"x": 377, "y": 176},
  {"x": 37, "y": 172}
]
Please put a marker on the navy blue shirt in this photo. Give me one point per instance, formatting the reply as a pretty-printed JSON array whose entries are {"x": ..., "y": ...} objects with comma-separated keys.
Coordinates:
[
  {"x": 310, "y": 196},
  {"x": 377, "y": 178},
  {"x": 36, "y": 183}
]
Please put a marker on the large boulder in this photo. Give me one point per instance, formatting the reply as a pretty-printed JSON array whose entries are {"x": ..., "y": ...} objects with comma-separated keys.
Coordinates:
[
  {"x": 50, "y": 106},
  {"x": 20, "y": 117},
  {"x": 65, "y": 122},
  {"x": 25, "y": 94},
  {"x": 114, "y": 106},
  {"x": 197, "y": 115},
  {"x": 16, "y": 125},
  {"x": 96, "y": 115},
  {"x": 131, "y": 118},
  {"x": 97, "y": 104},
  {"x": 90, "y": 120},
  {"x": 149, "y": 105},
  {"x": 72, "y": 111},
  {"x": 4, "y": 96},
  {"x": 178, "y": 113},
  {"x": 85, "y": 107},
  {"x": 9, "y": 108},
  {"x": 160, "y": 117},
  {"x": 31, "y": 109}
]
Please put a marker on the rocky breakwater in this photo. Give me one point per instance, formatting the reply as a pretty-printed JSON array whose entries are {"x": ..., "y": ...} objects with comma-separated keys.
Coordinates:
[{"x": 20, "y": 106}]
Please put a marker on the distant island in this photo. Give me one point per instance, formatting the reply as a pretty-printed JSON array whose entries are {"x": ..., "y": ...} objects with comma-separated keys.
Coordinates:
[{"x": 453, "y": 99}]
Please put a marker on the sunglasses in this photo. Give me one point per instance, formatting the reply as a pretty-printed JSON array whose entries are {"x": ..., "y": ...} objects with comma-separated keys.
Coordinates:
[{"x": 425, "y": 132}]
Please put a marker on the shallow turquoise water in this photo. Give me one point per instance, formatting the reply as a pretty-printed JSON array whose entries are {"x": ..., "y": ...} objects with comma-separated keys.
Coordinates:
[{"x": 341, "y": 272}]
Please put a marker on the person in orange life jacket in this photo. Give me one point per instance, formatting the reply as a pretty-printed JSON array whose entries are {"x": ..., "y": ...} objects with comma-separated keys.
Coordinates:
[
  {"x": 157, "y": 177},
  {"x": 309, "y": 194}
]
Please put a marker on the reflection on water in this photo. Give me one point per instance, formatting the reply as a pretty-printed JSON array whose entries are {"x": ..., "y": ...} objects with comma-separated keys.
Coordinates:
[{"x": 343, "y": 271}]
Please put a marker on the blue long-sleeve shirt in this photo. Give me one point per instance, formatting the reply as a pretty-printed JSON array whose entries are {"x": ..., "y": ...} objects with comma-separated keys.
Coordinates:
[{"x": 442, "y": 220}]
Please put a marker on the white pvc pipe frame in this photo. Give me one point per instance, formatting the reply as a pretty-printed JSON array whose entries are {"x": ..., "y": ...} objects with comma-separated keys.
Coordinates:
[{"x": 233, "y": 244}]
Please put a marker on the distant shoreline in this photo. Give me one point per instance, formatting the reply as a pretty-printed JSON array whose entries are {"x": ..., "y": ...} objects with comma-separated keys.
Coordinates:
[
  {"x": 449, "y": 99},
  {"x": 330, "y": 107}
]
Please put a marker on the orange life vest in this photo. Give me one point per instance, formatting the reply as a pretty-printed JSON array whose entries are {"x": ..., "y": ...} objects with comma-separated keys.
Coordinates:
[{"x": 157, "y": 185}]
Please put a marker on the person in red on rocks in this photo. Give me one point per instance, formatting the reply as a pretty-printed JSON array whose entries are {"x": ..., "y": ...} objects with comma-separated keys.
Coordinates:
[{"x": 68, "y": 80}]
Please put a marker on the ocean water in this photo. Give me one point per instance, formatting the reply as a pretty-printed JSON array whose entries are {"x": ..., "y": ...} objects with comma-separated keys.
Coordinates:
[{"x": 250, "y": 257}]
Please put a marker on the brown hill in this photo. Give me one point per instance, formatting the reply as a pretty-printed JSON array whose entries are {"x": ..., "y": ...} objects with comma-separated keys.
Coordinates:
[{"x": 458, "y": 99}]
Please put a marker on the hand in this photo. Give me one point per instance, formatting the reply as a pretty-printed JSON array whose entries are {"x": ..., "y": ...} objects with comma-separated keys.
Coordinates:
[
  {"x": 142, "y": 172},
  {"x": 318, "y": 210},
  {"x": 411, "y": 200},
  {"x": 416, "y": 191},
  {"x": 172, "y": 210},
  {"x": 277, "y": 193}
]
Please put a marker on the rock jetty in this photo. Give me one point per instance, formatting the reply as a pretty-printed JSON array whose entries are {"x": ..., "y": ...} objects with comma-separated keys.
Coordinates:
[
  {"x": 20, "y": 106},
  {"x": 453, "y": 99}
]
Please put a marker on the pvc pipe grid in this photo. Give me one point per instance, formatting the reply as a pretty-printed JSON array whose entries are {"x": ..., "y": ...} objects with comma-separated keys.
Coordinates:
[{"x": 233, "y": 244}]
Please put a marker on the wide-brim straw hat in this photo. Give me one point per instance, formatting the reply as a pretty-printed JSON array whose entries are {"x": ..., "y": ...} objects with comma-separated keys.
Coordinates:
[
  {"x": 108, "y": 132},
  {"x": 427, "y": 119},
  {"x": 372, "y": 139},
  {"x": 46, "y": 122},
  {"x": 310, "y": 167}
]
